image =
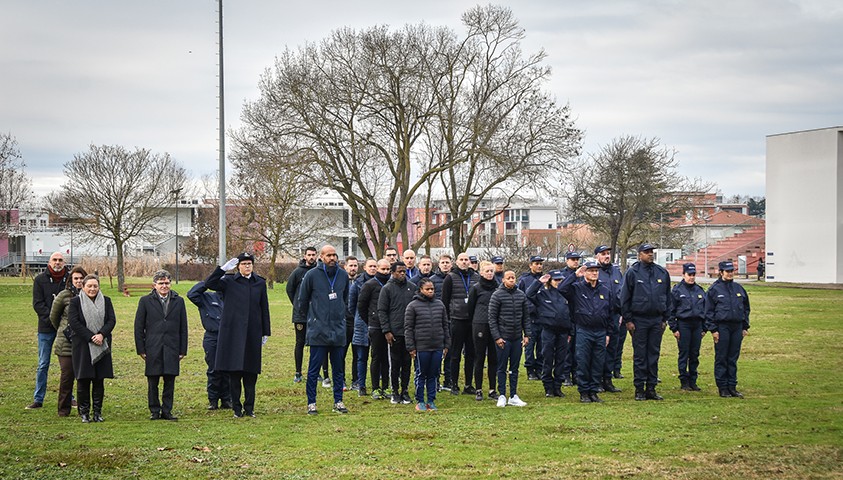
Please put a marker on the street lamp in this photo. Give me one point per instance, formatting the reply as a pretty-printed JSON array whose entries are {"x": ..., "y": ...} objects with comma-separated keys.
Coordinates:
[{"x": 176, "y": 192}]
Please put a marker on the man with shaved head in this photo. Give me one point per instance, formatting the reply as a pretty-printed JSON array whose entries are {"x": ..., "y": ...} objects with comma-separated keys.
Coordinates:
[{"x": 45, "y": 287}]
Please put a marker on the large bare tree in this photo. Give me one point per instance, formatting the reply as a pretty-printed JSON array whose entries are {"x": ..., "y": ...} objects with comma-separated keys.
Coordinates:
[
  {"x": 629, "y": 191},
  {"x": 116, "y": 195},
  {"x": 15, "y": 184},
  {"x": 379, "y": 116}
]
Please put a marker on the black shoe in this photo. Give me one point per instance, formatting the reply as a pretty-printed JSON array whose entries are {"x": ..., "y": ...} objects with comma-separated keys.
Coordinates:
[
  {"x": 585, "y": 398},
  {"x": 567, "y": 383},
  {"x": 97, "y": 418},
  {"x": 618, "y": 375},
  {"x": 169, "y": 416},
  {"x": 532, "y": 376},
  {"x": 548, "y": 394},
  {"x": 652, "y": 395},
  {"x": 684, "y": 385},
  {"x": 639, "y": 395},
  {"x": 479, "y": 395},
  {"x": 226, "y": 405},
  {"x": 595, "y": 398},
  {"x": 694, "y": 386},
  {"x": 558, "y": 393},
  {"x": 493, "y": 395},
  {"x": 238, "y": 414},
  {"x": 213, "y": 406},
  {"x": 735, "y": 393},
  {"x": 455, "y": 391},
  {"x": 250, "y": 414},
  {"x": 610, "y": 387},
  {"x": 155, "y": 416},
  {"x": 362, "y": 392},
  {"x": 600, "y": 389},
  {"x": 85, "y": 418},
  {"x": 724, "y": 392},
  {"x": 468, "y": 390}
]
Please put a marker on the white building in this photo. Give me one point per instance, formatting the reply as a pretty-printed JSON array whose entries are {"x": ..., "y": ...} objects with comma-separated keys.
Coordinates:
[{"x": 805, "y": 206}]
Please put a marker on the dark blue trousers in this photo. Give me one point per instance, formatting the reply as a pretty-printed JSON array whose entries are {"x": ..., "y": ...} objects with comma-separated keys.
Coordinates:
[
  {"x": 646, "y": 348},
  {"x": 611, "y": 348},
  {"x": 690, "y": 339},
  {"x": 361, "y": 358},
  {"x": 570, "y": 366},
  {"x": 619, "y": 349},
  {"x": 533, "y": 360},
  {"x": 726, "y": 353},
  {"x": 218, "y": 388},
  {"x": 591, "y": 355},
  {"x": 509, "y": 360},
  {"x": 427, "y": 374},
  {"x": 554, "y": 344},
  {"x": 318, "y": 353}
]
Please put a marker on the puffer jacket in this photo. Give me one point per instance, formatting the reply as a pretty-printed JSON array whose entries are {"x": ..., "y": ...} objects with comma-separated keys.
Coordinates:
[
  {"x": 58, "y": 317},
  {"x": 367, "y": 301},
  {"x": 426, "y": 326},
  {"x": 509, "y": 317},
  {"x": 478, "y": 299}
]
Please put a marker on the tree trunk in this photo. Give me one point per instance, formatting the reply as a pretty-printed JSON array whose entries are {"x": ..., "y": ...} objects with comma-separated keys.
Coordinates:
[
  {"x": 118, "y": 244},
  {"x": 270, "y": 281}
]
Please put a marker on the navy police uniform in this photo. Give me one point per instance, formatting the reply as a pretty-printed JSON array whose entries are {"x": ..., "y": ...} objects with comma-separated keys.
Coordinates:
[
  {"x": 210, "y": 305},
  {"x": 727, "y": 313},
  {"x": 687, "y": 316}
]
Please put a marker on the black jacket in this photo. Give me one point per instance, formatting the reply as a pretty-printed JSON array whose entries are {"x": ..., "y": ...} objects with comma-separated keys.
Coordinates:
[
  {"x": 426, "y": 327},
  {"x": 367, "y": 301},
  {"x": 455, "y": 290},
  {"x": 81, "y": 356},
  {"x": 44, "y": 291},
  {"x": 509, "y": 317},
  {"x": 293, "y": 283},
  {"x": 162, "y": 337},
  {"x": 645, "y": 293},
  {"x": 591, "y": 307},
  {"x": 726, "y": 302},
  {"x": 392, "y": 302},
  {"x": 210, "y": 306},
  {"x": 688, "y": 304},
  {"x": 479, "y": 296}
]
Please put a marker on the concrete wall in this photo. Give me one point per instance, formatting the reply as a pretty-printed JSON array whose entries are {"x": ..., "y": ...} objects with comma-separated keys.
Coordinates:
[{"x": 804, "y": 212}]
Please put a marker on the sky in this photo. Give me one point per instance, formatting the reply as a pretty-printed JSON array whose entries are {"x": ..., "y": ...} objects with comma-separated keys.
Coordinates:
[{"x": 710, "y": 79}]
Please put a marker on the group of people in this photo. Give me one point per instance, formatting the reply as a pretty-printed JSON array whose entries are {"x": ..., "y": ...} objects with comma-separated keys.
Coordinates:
[{"x": 402, "y": 319}]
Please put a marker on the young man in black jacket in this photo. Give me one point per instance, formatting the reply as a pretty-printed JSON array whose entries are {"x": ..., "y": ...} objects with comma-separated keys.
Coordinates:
[
  {"x": 300, "y": 324},
  {"x": 392, "y": 303}
]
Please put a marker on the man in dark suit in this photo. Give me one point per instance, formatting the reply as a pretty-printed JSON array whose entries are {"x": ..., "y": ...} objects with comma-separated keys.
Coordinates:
[{"x": 161, "y": 341}]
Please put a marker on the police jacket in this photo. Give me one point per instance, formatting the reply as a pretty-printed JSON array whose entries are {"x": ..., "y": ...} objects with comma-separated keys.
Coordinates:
[
  {"x": 367, "y": 301},
  {"x": 524, "y": 282},
  {"x": 44, "y": 290},
  {"x": 479, "y": 296},
  {"x": 509, "y": 317},
  {"x": 392, "y": 302},
  {"x": 361, "y": 329},
  {"x": 209, "y": 304},
  {"x": 552, "y": 307},
  {"x": 610, "y": 275},
  {"x": 688, "y": 304},
  {"x": 293, "y": 283},
  {"x": 321, "y": 298},
  {"x": 455, "y": 289},
  {"x": 646, "y": 293},
  {"x": 726, "y": 302},
  {"x": 591, "y": 307},
  {"x": 426, "y": 327}
]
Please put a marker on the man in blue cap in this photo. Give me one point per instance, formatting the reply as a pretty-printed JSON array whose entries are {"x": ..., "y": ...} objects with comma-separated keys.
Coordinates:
[
  {"x": 610, "y": 275},
  {"x": 533, "y": 357},
  {"x": 498, "y": 261},
  {"x": 686, "y": 322},
  {"x": 727, "y": 318},
  {"x": 645, "y": 306},
  {"x": 569, "y": 366}
]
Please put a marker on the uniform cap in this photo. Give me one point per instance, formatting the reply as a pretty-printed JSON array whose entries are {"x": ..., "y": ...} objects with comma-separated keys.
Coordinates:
[
  {"x": 589, "y": 265},
  {"x": 689, "y": 268},
  {"x": 246, "y": 256},
  {"x": 572, "y": 255},
  {"x": 601, "y": 248},
  {"x": 645, "y": 246},
  {"x": 497, "y": 259},
  {"x": 557, "y": 274},
  {"x": 536, "y": 258},
  {"x": 727, "y": 266}
]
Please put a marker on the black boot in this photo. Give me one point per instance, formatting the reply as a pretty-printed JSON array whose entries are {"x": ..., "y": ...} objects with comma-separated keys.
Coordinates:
[
  {"x": 595, "y": 398},
  {"x": 733, "y": 392},
  {"x": 609, "y": 386},
  {"x": 685, "y": 384},
  {"x": 84, "y": 412},
  {"x": 97, "y": 395},
  {"x": 557, "y": 392},
  {"x": 585, "y": 398},
  {"x": 693, "y": 385},
  {"x": 724, "y": 392},
  {"x": 639, "y": 394},
  {"x": 651, "y": 394}
]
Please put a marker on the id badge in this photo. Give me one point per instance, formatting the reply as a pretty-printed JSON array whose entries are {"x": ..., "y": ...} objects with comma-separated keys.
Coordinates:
[
  {"x": 332, "y": 296},
  {"x": 466, "y": 300}
]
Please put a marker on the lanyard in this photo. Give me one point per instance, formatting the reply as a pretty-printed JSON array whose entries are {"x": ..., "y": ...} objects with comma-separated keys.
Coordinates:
[
  {"x": 465, "y": 281},
  {"x": 331, "y": 282}
]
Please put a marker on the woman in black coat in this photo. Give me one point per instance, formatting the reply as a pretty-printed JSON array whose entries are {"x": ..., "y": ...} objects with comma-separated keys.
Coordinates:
[
  {"x": 91, "y": 317},
  {"x": 484, "y": 345}
]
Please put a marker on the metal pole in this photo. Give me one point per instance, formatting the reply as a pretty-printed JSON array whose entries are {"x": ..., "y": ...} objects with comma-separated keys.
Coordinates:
[
  {"x": 177, "y": 241},
  {"x": 222, "y": 256}
]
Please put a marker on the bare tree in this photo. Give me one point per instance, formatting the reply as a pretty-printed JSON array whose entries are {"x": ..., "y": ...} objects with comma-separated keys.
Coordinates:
[
  {"x": 627, "y": 192},
  {"x": 15, "y": 184},
  {"x": 116, "y": 195},
  {"x": 203, "y": 243}
]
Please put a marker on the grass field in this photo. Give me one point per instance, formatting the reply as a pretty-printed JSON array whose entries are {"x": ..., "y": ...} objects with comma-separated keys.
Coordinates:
[{"x": 790, "y": 425}]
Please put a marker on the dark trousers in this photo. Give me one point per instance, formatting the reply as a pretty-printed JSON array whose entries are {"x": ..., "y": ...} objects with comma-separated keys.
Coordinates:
[
  {"x": 591, "y": 356},
  {"x": 554, "y": 344},
  {"x": 726, "y": 353},
  {"x": 569, "y": 368},
  {"x": 380, "y": 360},
  {"x": 619, "y": 350},
  {"x": 509, "y": 361},
  {"x": 446, "y": 361},
  {"x": 318, "y": 354},
  {"x": 361, "y": 363},
  {"x": 484, "y": 350},
  {"x": 461, "y": 340},
  {"x": 217, "y": 387},
  {"x": 690, "y": 339},
  {"x": 248, "y": 380},
  {"x": 611, "y": 348},
  {"x": 533, "y": 350},
  {"x": 83, "y": 394},
  {"x": 349, "y": 333},
  {"x": 165, "y": 405},
  {"x": 401, "y": 365},
  {"x": 646, "y": 348},
  {"x": 301, "y": 337},
  {"x": 427, "y": 373},
  {"x": 65, "y": 384}
]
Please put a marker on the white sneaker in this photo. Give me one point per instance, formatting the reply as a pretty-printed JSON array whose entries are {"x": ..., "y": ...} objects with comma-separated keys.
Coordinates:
[
  {"x": 326, "y": 383},
  {"x": 515, "y": 401},
  {"x": 502, "y": 401}
]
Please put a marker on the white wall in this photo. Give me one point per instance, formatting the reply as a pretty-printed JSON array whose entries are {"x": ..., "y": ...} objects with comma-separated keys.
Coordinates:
[{"x": 804, "y": 213}]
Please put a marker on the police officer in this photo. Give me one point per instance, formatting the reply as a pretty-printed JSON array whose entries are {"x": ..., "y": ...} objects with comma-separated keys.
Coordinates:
[
  {"x": 569, "y": 367},
  {"x": 686, "y": 322},
  {"x": 610, "y": 275},
  {"x": 533, "y": 359},
  {"x": 210, "y": 306},
  {"x": 498, "y": 261},
  {"x": 645, "y": 306},
  {"x": 727, "y": 318},
  {"x": 591, "y": 312}
]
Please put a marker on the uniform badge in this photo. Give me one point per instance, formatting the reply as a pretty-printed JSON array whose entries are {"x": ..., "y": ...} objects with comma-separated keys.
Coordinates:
[
  {"x": 601, "y": 297},
  {"x": 299, "y": 326},
  {"x": 479, "y": 334},
  {"x": 699, "y": 296},
  {"x": 660, "y": 280},
  {"x": 616, "y": 281},
  {"x": 739, "y": 294}
]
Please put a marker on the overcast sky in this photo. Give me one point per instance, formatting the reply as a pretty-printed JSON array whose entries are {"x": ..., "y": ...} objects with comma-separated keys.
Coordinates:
[{"x": 710, "y": 78}]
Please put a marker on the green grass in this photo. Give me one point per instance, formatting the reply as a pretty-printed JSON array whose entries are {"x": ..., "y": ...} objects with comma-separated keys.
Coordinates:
[{"x": 789, "y": 426}]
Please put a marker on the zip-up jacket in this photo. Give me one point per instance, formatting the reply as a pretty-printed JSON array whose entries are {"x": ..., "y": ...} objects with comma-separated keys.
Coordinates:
[
  {"x": 392, "y": 302},
  {"x": 361, "y": 329},
  {"x": 438, "y": 278},
  {"x": 688, "y": 304},
  {"x": 210, "y": 306},
  {"x": 479, "y": 296},
  {"x": 552, "y": 307},
  {"x": 524, "y": 282},
  {"x": 509, "y": 317},
  {"x": 591, "y": 307},
  {"x": 646, "y": 293},
  {"x": 426, "y": 327},
  {"x": 367, "y": 301},
  {"x": 44, "y": 291},
  {"x": 293, "y": 283},
  {"x": 610, "y": 275},
  {"x": 321, "y": 298},
  {"x": 455, "y": 289},
  {"x": 726, "y": 302}
]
